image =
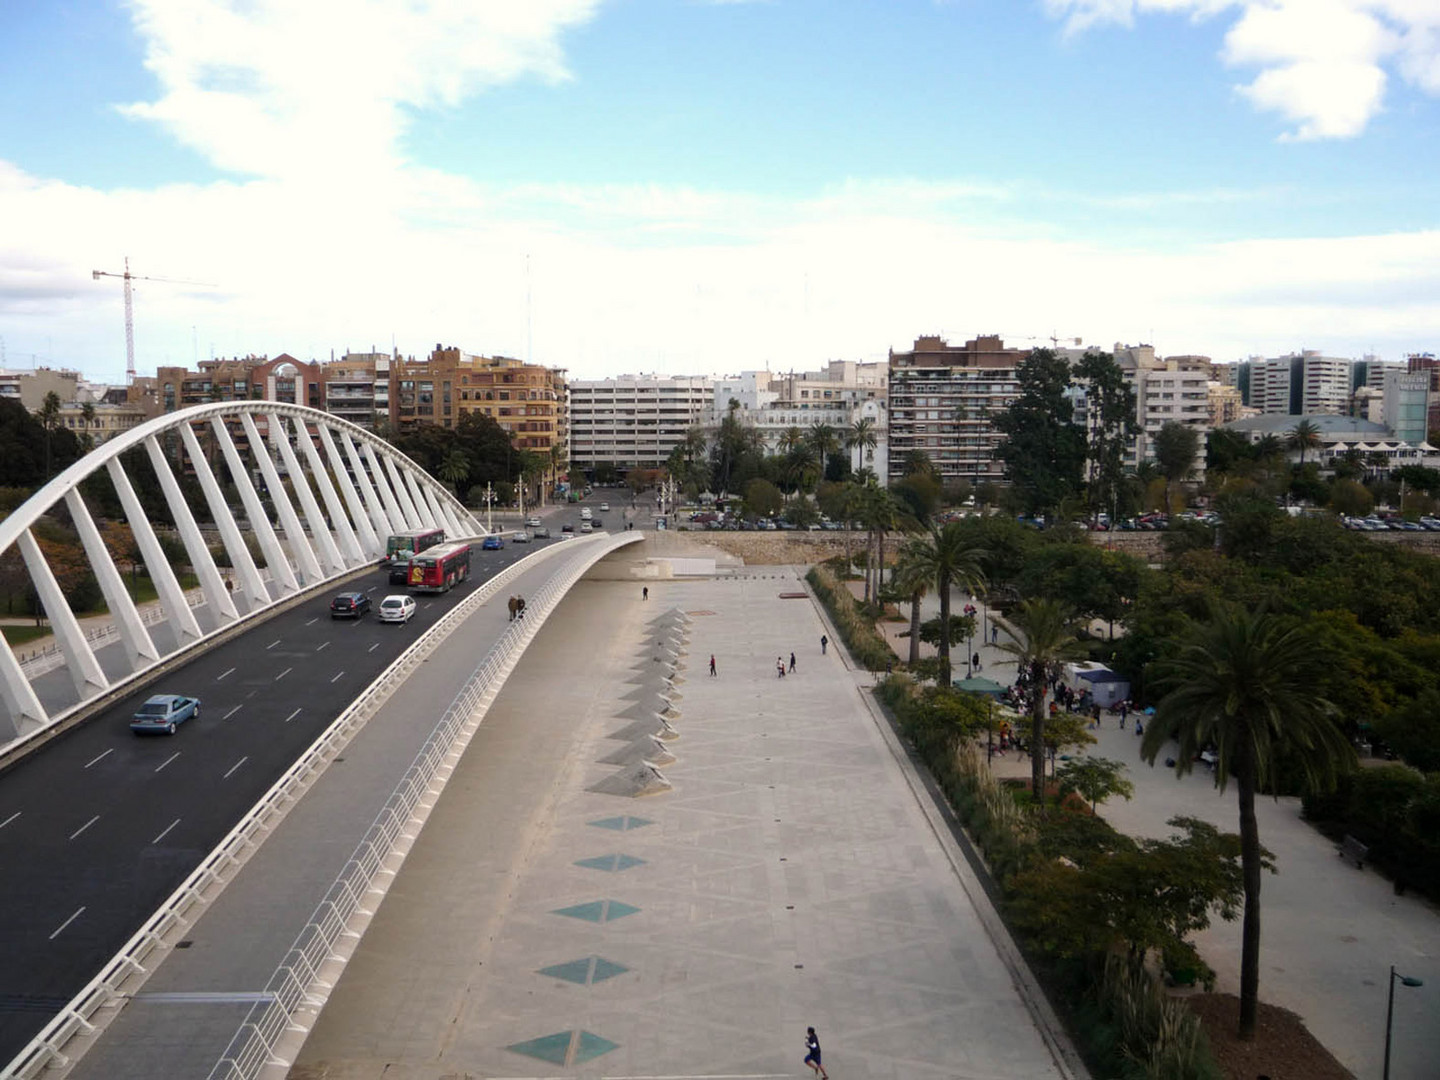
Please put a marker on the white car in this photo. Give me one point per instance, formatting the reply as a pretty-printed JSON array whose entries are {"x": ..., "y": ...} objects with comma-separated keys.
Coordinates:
[
  {"x": 586, "y": 526},
  {"x": 397, "y": 609},
  {"x": 532, "y": 523},
  {"x": 521, "y": 537},
  {"x": 604, "y": 508}
]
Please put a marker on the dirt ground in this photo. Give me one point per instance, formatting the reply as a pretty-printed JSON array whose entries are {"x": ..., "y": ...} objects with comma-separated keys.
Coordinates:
[{"x": 1282, "y": 1049}]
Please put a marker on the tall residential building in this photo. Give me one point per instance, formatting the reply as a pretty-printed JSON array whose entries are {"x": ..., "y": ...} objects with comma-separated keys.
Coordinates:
[
  {"x": 634, "y": 421},
  {"x": 526, "y": 400},
  {"x": 1173, "y": 390},
  {"x": 1225, "y": 403},
  {"x": 943, "y": 400},
  {"x": 1301, "y": 383}
]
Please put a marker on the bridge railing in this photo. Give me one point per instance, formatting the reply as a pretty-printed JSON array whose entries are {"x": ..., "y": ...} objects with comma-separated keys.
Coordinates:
[{"x": 128, "y": 967}]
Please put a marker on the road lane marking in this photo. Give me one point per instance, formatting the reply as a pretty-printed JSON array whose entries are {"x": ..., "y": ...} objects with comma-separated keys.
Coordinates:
[
  {"x": 102, "y": 757},
  {"x": 337, "y": 678},
  {"x": 166, "y": 832},
  {"x": 272, "y": 644},
  {"x": 230, "y": 672},
  {"x": 82, "y": 828},
  {"x": 313, "y": 621},
  {"x": 11, "y": 818},
  {"x": 284, "y": 673},
  {"x": 232, "y": 712},
  {"x": 292, "y": 716},
  {"x": 61, "y": 928},
  {"x": 236, "y": 766},
  {"x": 322, "y": 645},
  {"x": 167, "y": 761},
  {"x": 373, "y": 647}
]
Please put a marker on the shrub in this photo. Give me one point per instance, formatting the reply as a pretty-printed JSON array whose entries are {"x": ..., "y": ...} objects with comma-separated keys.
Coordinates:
[{"x": 857, "y": 631}]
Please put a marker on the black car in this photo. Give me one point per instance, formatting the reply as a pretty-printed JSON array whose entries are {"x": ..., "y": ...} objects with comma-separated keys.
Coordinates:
[
  {"x": 349, "y": 605},
  {"x": 567, "y": 527}
]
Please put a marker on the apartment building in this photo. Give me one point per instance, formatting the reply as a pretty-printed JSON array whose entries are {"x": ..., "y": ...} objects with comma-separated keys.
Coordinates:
[
  {"x": 635, "y": 421},
  {"x": 1171, "y": 390},
  {"x": 943, "y": 399},
  {"x": 1300, "y": 383},
  {"x": 527, "y": 400}
]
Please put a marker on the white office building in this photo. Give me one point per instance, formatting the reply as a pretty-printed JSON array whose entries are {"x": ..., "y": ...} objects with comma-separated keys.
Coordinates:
[{"x": 635, "y": 421}]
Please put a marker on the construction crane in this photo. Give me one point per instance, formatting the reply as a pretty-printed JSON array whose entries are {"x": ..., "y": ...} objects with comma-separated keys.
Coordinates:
[{"x": 130, "y": 309}]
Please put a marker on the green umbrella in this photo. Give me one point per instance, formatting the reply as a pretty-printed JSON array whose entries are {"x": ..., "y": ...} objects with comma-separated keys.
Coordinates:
[{"x": 977, "y": 684}]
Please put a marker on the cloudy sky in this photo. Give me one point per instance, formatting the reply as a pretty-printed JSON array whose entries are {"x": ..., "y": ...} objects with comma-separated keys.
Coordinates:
[{"x": 700, "y": 187}]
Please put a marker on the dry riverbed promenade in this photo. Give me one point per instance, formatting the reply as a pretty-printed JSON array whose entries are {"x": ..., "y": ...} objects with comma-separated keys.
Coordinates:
[{"x": 784, "y": 871}]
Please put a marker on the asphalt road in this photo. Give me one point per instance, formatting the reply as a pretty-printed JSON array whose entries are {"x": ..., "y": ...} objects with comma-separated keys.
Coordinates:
[{"x": 100, "y": 826}]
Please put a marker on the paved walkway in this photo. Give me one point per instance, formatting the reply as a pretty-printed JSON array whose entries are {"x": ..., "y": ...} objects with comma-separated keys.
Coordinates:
[{"x": 542, "y": 926}]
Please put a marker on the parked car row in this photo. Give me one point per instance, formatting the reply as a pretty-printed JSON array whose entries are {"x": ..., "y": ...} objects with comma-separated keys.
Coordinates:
[{"x": 1376, "y": 523}]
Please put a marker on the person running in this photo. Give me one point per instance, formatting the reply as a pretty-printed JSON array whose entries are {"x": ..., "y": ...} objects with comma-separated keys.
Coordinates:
[{"x": 812, "y": 1056}]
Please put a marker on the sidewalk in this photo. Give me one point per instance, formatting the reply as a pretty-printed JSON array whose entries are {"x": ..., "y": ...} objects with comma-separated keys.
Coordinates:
[{"x": 789, "y": 879}]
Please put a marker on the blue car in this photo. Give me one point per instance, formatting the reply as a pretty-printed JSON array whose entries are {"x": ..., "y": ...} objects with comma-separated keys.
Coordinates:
[
  {"x": 163, "y": 713},
  {"x": 492, "y": 543}
]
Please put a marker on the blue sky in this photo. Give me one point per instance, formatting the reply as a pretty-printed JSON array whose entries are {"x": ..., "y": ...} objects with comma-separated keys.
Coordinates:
[{"x": 687, "y": 186}]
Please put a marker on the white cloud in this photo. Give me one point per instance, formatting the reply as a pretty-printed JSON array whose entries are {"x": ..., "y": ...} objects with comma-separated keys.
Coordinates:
[{"x": 1324, "y": 64}]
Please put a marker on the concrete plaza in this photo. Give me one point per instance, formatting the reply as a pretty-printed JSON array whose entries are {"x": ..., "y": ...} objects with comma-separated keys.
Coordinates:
[{"x": 544, "y": 927}]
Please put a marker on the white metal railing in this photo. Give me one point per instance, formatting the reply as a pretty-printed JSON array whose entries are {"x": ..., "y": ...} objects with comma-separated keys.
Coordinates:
[{"x": 48, "y": 1047}]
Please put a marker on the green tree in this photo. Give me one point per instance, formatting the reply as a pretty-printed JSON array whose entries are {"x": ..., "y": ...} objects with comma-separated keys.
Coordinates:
[
  {"x": 917, "y": 463},
  {"x": 1095, "y": 779},
  {"x": 1245, "y": 683},
  {"x": 824, "y": 440},
  {"x": 881, "y": 513},
  {"x": 1043, "y": 449},
  {"x": 1228, "y": 452},
  {"x": 50, "y": 420},
  {"x": 913, "y": 579},
  {"x": 921, "y": 493},
  {"x": 1176, "y": 447},
  {"x": 1304, "y": 437},
  {"x": 1041, "y": 636},
  {"x": 946, "y": 555},
  {"x": 862, "y": 436},
  {"x": 1110, "y": 404},
  {"x": 762, "y": 498},
  {"x": 1351, "y": 499},
  {"x": 791, "y": 438},
  {"x": 455, "y": 468}
]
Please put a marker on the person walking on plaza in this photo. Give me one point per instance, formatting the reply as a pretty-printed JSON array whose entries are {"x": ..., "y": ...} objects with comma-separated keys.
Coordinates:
[
  {"x": 779, "y": 667},
  {"x": 645, "y": 592},
  {"x": 824, "y": 643},
  {"x": 792, "y": 661},
  {"x": 712, "y": 665},
  {"x": 812, "y": 1055}
]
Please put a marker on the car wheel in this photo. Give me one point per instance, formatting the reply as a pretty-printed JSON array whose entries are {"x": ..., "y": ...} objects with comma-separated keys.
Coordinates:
[{"x": 170, "y": 728}]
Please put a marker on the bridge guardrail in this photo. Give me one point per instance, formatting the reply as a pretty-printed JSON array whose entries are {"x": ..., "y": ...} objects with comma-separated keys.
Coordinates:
[{"x": 128, "y": 964}]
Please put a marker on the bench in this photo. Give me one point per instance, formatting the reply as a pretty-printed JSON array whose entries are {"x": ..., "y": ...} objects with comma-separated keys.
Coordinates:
[{"x": 1353, "y": 850}]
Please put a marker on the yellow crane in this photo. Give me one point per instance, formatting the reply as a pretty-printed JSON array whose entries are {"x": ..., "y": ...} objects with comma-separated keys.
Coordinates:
[{"x": 128, "y": 277}]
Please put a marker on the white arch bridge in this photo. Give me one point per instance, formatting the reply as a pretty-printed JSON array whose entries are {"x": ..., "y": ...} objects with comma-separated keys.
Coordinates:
[{"x": 353, "y": 491}]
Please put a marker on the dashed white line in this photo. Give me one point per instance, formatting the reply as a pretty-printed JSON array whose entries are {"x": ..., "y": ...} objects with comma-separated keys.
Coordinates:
[
  {"x": 102, "y": 757},
  {"x": 373, "y": 647},
  {"x": 230, "y": 672},
  {"x": 292, "y": 716},
  {"x": 236, "y": 766},
  {"x": 322, "y": 645},
  {"x": 82, "y": 828},
  {"x": 313, "y": 621},
  {"x": 11, "y": 818},
  {"x": 338, "y": 677},
  {"x": 61, "y": 928},
  {"x": 272, "y": 644},
  {"x": 167, "y": 761},
  {"x": 166, "y": 832},
  {"x": 284, "y": 673},
  {"x": 232, "y": 712}
]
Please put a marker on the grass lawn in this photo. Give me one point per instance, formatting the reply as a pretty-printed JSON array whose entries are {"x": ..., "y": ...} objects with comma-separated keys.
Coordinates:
[{"x": 22, "y": 635}]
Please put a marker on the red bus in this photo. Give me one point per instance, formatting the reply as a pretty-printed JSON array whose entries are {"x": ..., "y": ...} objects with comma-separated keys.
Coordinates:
[
  {"x": 404, "y": 546},
  {"x": 438, "y": 569}
]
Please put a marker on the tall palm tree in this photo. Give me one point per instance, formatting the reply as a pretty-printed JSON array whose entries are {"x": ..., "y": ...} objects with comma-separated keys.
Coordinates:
[
  {"x": 945, "y": 555},
  {"x": 1248, "y": 684},
  {"x": 881, "y": 513},
  {"x": 913, "y": 578},
  {"x": 1042, "y": 637},
  {"x": 861, "y": 435},
  {"x": 791, "y": 439},
  {"x": 823, "y": 438},
  {"x": 1304, "y": 436},
  {"x": 49, "y": 414}
]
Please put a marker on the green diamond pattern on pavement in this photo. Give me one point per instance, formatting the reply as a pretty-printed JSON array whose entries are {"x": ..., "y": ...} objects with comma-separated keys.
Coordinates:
[
  {"x": 586, "y": 972},
  {"x": 611, "y": 862},
  {"x": 565, "y": 1047},
  {"x": 598, "y": 911},
  {"x": 622, "y": 823}
]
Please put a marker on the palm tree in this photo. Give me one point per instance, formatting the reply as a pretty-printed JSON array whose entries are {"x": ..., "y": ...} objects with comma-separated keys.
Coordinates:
[
  {"x": 861, "y": 435},
  {"x": 912, "y": 577},
  {"x": 791, "y": 439},
  {"x": 49, "y": 420},
  {"x": 944, "y": 554},
  {"x": 1042, "y": 637},
  {"x": 881, "y": 513},
  {"x": 455, "y": 469},
  {"x": 1248, "y": 684},
  {"x": 1304, "y": 436},
  {"x": 824, "y": 440}
]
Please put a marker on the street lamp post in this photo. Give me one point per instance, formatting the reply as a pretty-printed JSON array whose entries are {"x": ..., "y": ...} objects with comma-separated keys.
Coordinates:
[{"x": 1404, "y": 980}]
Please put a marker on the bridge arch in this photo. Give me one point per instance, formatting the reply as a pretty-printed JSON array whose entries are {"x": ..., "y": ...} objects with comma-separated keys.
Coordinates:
[{"x": 353, "y": 490}]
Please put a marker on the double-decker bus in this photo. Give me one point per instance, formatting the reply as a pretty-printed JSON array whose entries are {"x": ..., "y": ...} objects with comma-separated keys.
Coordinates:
[
  {"x": 438, "y": 569},
  {"x": 404, "y": 546}
]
